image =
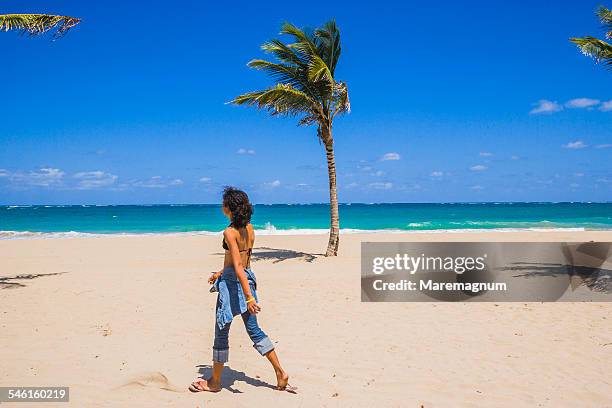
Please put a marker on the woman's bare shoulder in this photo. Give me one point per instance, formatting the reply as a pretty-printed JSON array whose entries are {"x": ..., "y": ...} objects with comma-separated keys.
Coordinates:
[
  {"x": 230, "y": 232},
  {"x": 251, "y": 231}
]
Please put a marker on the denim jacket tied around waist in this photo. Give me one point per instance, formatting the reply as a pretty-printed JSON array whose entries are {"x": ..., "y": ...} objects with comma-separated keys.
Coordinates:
[{"x": 231, "y": 300}]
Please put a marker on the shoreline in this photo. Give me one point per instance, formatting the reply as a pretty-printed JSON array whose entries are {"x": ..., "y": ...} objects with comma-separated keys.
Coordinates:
[{"x": 30, "y": 235}]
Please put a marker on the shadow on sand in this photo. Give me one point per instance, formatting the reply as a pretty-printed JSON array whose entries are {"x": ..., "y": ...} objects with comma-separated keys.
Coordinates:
[
  {"x": 230, "y": 376},
  {"x": 277, "y": 255},
  {"x": 7, "y": 281},
  {"x": 596, "y": 279}
]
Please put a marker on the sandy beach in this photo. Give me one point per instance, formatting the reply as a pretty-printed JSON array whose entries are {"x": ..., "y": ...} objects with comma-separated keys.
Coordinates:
[{"x": 128, "y": 321}]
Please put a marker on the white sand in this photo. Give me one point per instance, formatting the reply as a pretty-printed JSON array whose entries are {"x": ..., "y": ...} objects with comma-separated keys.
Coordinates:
[{"x": 129, "y": 320}]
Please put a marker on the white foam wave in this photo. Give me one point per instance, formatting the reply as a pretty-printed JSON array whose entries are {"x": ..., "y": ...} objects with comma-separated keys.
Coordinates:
[
  {"x": 11, "y": 235},
  {"x": 419, "y": 224},
  {"x": 8, "y": 235},
  {"x": 34, "y": 234}
]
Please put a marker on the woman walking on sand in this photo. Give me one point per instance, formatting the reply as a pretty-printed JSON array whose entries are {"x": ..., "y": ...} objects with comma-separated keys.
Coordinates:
[{"x": 236, "y": 285}]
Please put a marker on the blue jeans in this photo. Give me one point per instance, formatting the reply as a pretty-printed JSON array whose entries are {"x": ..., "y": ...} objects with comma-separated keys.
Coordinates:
[{"x": 261, "y": 342}]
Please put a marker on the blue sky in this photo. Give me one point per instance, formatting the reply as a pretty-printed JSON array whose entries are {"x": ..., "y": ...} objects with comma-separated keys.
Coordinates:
[{"x": 452, "y": 101}]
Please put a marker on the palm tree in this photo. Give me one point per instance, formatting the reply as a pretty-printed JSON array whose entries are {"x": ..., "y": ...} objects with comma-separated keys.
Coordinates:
[
  {"x": 37, "y": 24},
  {"x": 598, "y": 49},
  {"x": 306, "y": 88}
]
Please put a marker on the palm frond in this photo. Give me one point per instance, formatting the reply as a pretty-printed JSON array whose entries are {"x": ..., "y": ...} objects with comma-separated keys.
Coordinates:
[
  {"x": 605, "y": 16},
  {"x": 284, "y": 73},
  {"x": 300, "y": 35},
  {"x": 319, "y": 71},
  {"x": 280, "y": 99},
  {"x": 282, "y": 52},
  {"x": 296, "y": 76},
  {"x": 330, "y": 46},
  {"x": 599, "y": 50},
  {"x": 304, "y": 46},
  {"x": 342, "y": 103},
  {"x": 37, "y": 24}
]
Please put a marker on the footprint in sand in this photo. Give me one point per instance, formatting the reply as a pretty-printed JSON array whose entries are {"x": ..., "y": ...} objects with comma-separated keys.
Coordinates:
[{"x": 152, "y": 380}]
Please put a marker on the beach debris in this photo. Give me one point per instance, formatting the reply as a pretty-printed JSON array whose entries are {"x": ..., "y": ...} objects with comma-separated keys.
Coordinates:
[{"x": 104, "y": 329}]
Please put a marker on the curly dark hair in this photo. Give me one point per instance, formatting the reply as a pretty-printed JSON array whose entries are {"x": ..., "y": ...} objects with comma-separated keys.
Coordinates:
[{"x": 237, "y": 201}]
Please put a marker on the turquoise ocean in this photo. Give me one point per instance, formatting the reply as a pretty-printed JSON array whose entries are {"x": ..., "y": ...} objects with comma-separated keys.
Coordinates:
[{"x": 83, "y": 220}]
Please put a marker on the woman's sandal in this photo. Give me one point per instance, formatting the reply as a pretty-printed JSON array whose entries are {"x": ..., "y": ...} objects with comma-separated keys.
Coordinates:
[{"x": 197, "y": 386}]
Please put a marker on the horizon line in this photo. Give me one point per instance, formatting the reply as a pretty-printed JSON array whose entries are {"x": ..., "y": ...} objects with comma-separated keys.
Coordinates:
[{"x": 310, "y": 203}]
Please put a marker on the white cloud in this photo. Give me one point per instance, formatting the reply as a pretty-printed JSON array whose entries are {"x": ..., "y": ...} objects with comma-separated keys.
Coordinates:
[
  {"x": 604, "y": 146},
  {"x": 205, "y": 180},
  {"x": 437, "y": 174},
  {"x": 514, "y": 157},
  {"x": 582, "y": 103},
  {"x": 273, "y": 184},
  {"x": 55, "y": 178},
  {"x": 381, "y": 185},
  {"x": 545, "y": 106},
  {"x": 579, "y": 174},
  {"x": 94, "y": 179},
  {"x": 478, "y": 167},
  {"x": 153, "y": 182},
  {"x": 245, "y": 151},
  {"x": 352, "y": 185},
  {"x": 44, "y": 177},
  {"x": 578, "y": 144},
  {"x": 157, "y": 182},
  {"x": 477, "y": 188},
  {"x": 379, "y": 173},
  {"x": 486, "y": 154},
  {"x": 390, "y": 156},
  {"x": 606, "y": 106}
]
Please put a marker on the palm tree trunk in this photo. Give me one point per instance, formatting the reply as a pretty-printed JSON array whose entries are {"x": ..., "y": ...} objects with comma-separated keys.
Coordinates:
[{"x": 334, "y": 230}]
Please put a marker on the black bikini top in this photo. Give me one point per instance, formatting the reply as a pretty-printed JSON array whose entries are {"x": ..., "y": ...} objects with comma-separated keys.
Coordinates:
[{"x": 248, "y": 250}]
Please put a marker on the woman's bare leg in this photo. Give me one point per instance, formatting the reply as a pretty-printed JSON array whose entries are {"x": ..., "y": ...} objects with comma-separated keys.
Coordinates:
[
  {"x": 215, "y": 379},
  {"x": 212, "y": 384},
  {"x": 281, "y": 376}
]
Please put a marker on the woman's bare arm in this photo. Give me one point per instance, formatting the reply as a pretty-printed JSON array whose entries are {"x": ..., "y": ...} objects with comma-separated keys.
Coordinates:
[{"x": 231, "y": 237}]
